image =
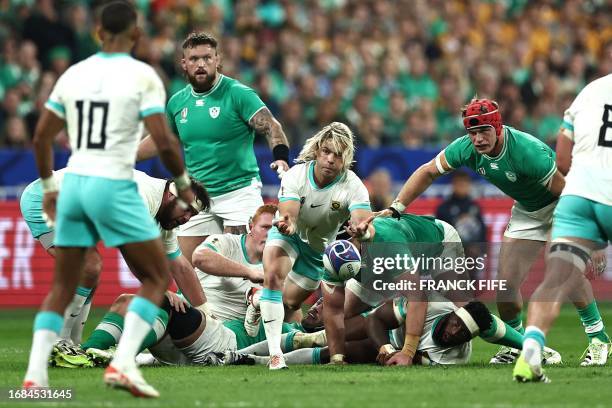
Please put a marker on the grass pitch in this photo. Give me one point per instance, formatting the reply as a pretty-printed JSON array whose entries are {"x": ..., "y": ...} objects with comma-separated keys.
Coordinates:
[{"x": 477, "y": 384}]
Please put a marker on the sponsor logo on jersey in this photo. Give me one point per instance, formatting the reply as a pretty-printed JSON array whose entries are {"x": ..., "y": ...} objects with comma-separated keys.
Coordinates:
[
  {"x": 214, "y": 112},
  {"x": 184, "y": 115},
  {"x": 335, "y": 205},
  {"x": 481, "y": 171},
  {"x": 511, "y": 176},
  {"x": 200, "y": 102},
  {"x": 494, "y": 166}
]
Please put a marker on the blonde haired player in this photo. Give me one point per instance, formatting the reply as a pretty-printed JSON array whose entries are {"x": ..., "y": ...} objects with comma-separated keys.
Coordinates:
[{"x": 316, "y": 196}]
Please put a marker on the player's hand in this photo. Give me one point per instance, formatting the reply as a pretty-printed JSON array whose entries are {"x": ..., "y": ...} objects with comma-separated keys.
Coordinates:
[
  {"x": 49, "y": 208},
  {"x": 359, "y": 230},
  {"x": 337, "y": 360},
  {"x": 597, "y": 265},
  {"x": 280, "y": 166},
  {"x": 399, "y": 358},
  {"x": 284, "y": 225},
  {"x": 178, "y": 303},
  {"x": 255, "y": 275},
  {"x": 383, "y": 213},
  {"x": 188, "y": 199}
]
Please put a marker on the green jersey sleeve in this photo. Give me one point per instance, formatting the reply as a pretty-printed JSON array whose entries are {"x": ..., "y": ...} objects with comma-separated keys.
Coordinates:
[
  {"x": 539, "y": 162},
  {"x": 246, "y": 101},
  {"x": 461, "y": 153}
]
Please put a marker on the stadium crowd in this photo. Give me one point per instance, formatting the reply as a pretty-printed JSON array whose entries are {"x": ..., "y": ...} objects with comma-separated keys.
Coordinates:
[{"x": 396, "y": 71}]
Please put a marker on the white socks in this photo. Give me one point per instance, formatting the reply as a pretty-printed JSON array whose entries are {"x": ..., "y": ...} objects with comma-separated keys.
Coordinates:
[{"x": 273, "y": 315}]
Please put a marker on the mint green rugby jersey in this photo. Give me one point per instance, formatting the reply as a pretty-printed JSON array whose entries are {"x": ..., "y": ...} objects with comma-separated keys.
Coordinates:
[
  {"x": 215, "y": 134},
  {"x": 522, "y": 170}
]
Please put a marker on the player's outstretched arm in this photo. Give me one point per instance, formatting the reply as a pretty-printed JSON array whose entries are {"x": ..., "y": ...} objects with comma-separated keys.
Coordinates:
[
  {"x": 419, "y": 181},
  {"x": 213, "y": 263},
  {"x": 288, "y": 213},
  {"x": 187, "y": 281},
  {"x": 333, "y": 320},
  {"x": 264, "y": 123}
]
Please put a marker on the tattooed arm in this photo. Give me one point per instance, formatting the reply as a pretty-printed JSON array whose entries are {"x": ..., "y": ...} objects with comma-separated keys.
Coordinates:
[{"x": 265, "y": 124}]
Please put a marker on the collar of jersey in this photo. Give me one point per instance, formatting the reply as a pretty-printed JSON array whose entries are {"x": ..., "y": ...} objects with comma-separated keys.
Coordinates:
[
  {"x": 103, "y": 54},
  {"x": 503, "y": 152},
  {"x": 211, "y": 90},
  {"x": 244, "y": 251},
  {"x": 312, "y": 180}
]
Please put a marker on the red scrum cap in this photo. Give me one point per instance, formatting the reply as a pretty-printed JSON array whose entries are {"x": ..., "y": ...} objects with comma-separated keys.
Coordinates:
[{"x": 482, "y": 112}]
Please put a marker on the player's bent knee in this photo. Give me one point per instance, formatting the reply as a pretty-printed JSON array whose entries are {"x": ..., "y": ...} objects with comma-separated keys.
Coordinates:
[
  {"x": 185, "y": 328},
  {"x": 121, "y": 303}
]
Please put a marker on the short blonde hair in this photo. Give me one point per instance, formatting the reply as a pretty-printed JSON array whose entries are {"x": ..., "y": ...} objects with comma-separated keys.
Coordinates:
[{"x": 341, "y": 139}]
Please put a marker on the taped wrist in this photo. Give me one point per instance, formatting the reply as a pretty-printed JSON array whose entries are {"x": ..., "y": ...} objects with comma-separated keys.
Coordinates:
[{"x": 49, "y": 184}]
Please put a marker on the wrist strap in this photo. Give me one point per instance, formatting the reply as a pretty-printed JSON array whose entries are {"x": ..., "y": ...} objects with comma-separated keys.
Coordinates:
[
  {"x": 337, "y": 358},
  {"x": 386, "y": 349},
  {"x": 183, "y": 181},
  {"x": 49, "y": 184},
  {"x": 281, "y": 152}
]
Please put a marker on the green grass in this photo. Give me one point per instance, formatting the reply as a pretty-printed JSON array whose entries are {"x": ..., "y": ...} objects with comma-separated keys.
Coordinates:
[{"x": 304, "y": 386}]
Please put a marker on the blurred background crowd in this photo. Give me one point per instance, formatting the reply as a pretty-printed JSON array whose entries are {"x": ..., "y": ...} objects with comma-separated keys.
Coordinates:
[{"x": 398, "y": 72}]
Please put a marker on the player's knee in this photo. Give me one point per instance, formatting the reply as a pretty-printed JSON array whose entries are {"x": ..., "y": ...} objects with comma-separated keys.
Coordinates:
[
  {"x": 462, "y": 325},
  {"x": 184, "y": 328},
  {"x": 91, "y": 271},
  {"x": 292, "y": 304},
  {"x": 121, "y": 303}
]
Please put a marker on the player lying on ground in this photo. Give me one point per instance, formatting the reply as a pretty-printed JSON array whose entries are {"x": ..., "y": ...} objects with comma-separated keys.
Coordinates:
[
  {"x": 524, "y": 168},
  {"x": 581, "y": 225},
  {"x": 184, "y": 335},
  {"x": 316, "y": 196},
  {"x": 160, "y": 199},
  {"x": 446, "y": 336}
]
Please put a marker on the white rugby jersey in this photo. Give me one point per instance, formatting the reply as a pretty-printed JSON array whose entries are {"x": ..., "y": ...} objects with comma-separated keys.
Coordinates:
[
  {"x": 151, "y": 190},
  {"x": 438, "y": 306},
  {"x": 103, "y": 100},
  {"x": 227, "y": 295},
  {"x": 322, "y": 210},
  {"x": 588, "y": 123}
]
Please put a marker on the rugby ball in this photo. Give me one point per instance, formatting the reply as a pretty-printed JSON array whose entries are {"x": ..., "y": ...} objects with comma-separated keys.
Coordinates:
[{"x": 342, "y": 260}]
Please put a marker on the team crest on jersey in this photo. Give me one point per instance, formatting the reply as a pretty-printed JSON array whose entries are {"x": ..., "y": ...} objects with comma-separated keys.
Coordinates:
[
  {"x": 214, "y": 112},
  {"x": 335, "y": 205},
  {"x": 481, "y": 171},
  {"x": 511, "y": 176},
  {"x": 184, "y": 115}
]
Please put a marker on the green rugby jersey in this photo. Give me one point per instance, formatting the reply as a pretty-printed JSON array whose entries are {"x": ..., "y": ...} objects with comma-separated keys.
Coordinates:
[
  {"x": 408, "y": 229},
  {"x": 217, "y": 139},
  {"x": 522, "y": 169}
]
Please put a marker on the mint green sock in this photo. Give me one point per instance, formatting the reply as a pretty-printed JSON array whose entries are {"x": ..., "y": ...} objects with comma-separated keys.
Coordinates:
[
  {"x": 106, "y": 333},
  {"x": 157, "y": 332},
  {"x": 592, "y": 322},
  {"x": 502, "y": 333},
  {"x": 517, "y": 323}
]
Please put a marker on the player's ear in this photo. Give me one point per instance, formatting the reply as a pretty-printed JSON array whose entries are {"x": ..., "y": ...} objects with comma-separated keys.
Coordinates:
[
  {"x": 101, "y": 33},
  {"x": 135, "y": 33}
]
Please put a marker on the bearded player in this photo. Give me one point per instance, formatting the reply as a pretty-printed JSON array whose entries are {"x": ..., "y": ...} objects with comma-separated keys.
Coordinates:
[
  {"x": 216, "y": 117},
  {"x": 522, "y": 167},
  {"x": 160, "y": 198},
  {"x": 581, "y": 225}
]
